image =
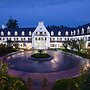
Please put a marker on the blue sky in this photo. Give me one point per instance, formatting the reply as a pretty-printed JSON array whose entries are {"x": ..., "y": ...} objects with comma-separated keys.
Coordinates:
[{"x": 52, "y": 12}]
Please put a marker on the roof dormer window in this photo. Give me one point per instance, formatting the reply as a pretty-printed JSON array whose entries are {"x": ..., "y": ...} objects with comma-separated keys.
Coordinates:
[
  {"x": 8, "y": 33},
  {"x": 66, "y": 33},
  {"x": 52, "y": 33},
  {"x": 15, "y": 33},
  {"x": 23, "y": 33},
  {"x": 78, "y": 31},
  {"x": 74, "y": 32},
  {"x": 30, "y": 33},
  {"x": 88, "y": 29},
  {"x": 82, "y": 30},
  {"x": 2, "y": 33},
  {"x": 59, "y": 33}
]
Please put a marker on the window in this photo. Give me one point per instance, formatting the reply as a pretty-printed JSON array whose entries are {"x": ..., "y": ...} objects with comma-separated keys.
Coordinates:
[
  {"x": 66, "y": 33},
  {"x": 2, "y": 33},
  {"x": 8, "y": 33},
  {"x": 71, "y": 33},
  {"x": 38, "y": 33},
  {"x": 59, "y": 33},
  {"x": 15, "y": 33},
  {"x": 89, "y": 38},
  {"x": 78, "y": 31},
  {"x": 30, "y": 33},
  {"x": 45, "y": 38},
  {"x": 89, "y": 44},
  {"x": 88, "y": 29},
  {"x": 39, "y": 38},
  {"x": 36, "y": 38},
  {"x": 82, "y": 31},
  {"x": 52, "y": 33},
  {"x": 23, "y": 33},
  {"x": 74, "y": 32}
]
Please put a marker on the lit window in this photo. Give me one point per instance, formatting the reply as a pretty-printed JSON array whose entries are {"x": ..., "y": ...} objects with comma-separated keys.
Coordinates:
[
  {"x": 23, "y": 33},
  {"x": 78, "y": 31},
  {"x": 38, "y": 33},
  {"x": 88, "y": 29},
  {"x": 30, "y": 33},
  {"x": 52, "y": 33},
  {"x": 82, "y": 31},
  {"x": 9, "y": 33},
  {"x": 74, "y": 32},
  {"x": 71, "y": 33},
  {"x": 66, "y": 33},
  {"x": 2, "y": 33},
  {"x": 16, "y": 33},
  {"x": 36, "y": 38},
  {"x": 59, "y": 33}
]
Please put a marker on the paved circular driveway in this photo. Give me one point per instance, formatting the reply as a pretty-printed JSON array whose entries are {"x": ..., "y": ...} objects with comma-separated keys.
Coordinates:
[
  {"x": 60, "y": 62},
  {"x": 63, "y": 65}
]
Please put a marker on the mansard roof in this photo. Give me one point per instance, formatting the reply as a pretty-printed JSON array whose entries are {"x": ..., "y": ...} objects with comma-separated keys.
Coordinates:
[{"x": 55, "y": 29}]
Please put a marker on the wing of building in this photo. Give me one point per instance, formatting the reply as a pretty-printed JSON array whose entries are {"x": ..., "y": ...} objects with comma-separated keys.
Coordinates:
[{"x": 43, "y": 37}]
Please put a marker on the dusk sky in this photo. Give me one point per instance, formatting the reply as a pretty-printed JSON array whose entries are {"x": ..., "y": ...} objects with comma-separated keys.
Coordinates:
[{"x": 52, "y": 12}]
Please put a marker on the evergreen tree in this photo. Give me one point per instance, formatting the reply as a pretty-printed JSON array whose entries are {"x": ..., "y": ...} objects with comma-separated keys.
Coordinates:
[{"x": 12, "y": 23}]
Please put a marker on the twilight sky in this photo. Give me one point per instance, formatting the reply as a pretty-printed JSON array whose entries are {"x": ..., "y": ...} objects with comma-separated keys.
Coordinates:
[{"x": 52, "y": 12}]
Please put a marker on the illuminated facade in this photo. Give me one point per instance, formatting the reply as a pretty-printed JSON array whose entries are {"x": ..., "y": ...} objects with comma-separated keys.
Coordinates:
[{"x": 44, "y": 37}]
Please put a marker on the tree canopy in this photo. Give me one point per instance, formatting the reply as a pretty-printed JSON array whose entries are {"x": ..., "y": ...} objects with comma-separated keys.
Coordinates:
[{"x": 12, "y": 23}]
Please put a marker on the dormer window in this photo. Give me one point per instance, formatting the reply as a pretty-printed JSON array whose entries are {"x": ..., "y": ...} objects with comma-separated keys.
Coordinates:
[
  {"x": 16, "y": 33},
  {"x": 2, "y": 33},
  {"x": 88, "y": 29},
  {"x": 59, "y": 33},
  {"x": 23, "y": 33},
  {"x": 71, "y": 33},
  {"x": 30, "y": 33},
  {"x": 52, "y": 33},
  {"x": 66, "y": 33},
  {"x": 78, "y": 31},
  {"x": 74, "y": 32},
  {"x": 82, "y": 30},
  {"x": 8, "y": 33}
]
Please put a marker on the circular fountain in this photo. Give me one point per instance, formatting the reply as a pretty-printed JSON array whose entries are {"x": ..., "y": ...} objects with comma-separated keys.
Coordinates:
[
  {"x": 40, "y": 56},
  {"x": 52, "y": 61}
]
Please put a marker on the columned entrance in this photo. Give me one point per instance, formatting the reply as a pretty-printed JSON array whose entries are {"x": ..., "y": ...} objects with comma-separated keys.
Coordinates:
[{"x": 41, "y": 42}]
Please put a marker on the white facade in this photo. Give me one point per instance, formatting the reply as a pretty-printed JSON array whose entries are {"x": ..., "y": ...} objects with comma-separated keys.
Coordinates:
[{"x": 42, "y": 38}]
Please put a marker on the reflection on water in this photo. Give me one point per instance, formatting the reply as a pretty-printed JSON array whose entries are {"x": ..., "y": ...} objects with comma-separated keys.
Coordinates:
[{"x": 60, "y": 62}]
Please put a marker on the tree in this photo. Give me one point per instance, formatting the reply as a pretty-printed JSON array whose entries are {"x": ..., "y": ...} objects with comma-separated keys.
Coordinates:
[
  {"x": 9, "y": 43},
  {"x": 65, "y": 44},
  {"x": 16, "y": 45},
  {"x": 12, "y": 23},
  {"x": 81, "y": 45},
  {"x": 45, "y": 82},
  {"x": 72, "y": 44},
  {"x": 29, "y": 81}
]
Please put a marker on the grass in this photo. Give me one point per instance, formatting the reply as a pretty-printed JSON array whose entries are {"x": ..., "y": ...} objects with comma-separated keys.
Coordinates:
[
  {"x": 82, "y": 54},
  {"x": 6, "y": 50},
  {"x": 78, "y": 83},
  {"x": 13, "y": 83}
]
